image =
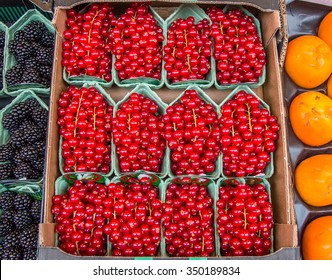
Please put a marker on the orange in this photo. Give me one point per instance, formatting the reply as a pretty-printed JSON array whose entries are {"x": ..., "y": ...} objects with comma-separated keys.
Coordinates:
[
  {"x": 325, "y": 29},
  {"x": 310, "y": 116},
  {"x": 329, "y": 87},
  {"x": 313, "y": 180},
  {"x": 308, "y": 61},
  {"x": 317, "y": 239}
]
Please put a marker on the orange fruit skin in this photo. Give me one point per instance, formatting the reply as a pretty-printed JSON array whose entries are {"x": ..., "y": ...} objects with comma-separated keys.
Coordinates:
[
  {"x": 329, "y": 87},
  {"x": 325, "y": 29},
  {"x": 313, "y": 180},
  {"x": 317, "y": 239},
  {"x": 308, "y": 61},
  {"x": 310, "y": 115}
]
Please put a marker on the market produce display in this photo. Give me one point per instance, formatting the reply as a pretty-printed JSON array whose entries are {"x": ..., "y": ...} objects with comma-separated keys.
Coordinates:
[
  {"x": 2, "y": 49},
  {"x": 87, "y": 48},
  {"x": 85, "y": 120},
  {"x": 238, "y": 49},
  {"x": 244, "y": 219},
  {"x": 316, "y": 240},
  {"x": 23, "y": 156},
  {"x": 19, "y": 226}
]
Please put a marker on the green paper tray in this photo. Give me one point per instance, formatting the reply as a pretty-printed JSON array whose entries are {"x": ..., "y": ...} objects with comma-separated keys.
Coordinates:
[
  {"x": 10, "y": 60},
  {"x": 147, "y": 92},
  {"x": 183, "y": 11},
  {"x": 4, "y": 28}
]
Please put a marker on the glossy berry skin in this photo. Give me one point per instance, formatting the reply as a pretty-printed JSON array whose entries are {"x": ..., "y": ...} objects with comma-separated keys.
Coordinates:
[
  {"x": 192, "y": 131},
  {"x": 87, "y": 42},
  {"x": 78, "y": 225},
  {"x": 85, "y": 121},
  {"x": 134, "y": 227},
  {"x": 187, "y": 52},
  {"x": 244, "y": 219},
  {"x": 249, "y": 134},
  {"x": 188, "y": 224},
  {"x": 238, "y": 49},
  {"x": 137, "y": 44},
  {"x": 137, "y": 135}
]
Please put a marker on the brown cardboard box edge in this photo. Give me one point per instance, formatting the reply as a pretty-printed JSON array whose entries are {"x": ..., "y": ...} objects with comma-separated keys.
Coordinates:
[{"x": 285, "y": 225}]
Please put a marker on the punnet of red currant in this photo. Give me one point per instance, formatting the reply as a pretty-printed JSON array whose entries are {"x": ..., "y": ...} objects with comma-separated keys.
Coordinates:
[
  {"x": 138, "y": 133},
  {"x": 244, "y": 217},
  {"x": 239, "y": 54},
  {"x": 137, "y": 41},
  {"x": 134, "y": 212},
  {"x": 87, "y": 44},
  {"x": 85, "y": 126},
  {"x": 80, "y": 214},
  {"x": 248, "y": 135},
  {"x": 188, "y": 217},
  {"x": 192, "y": 130},
  {"x": 188, "y": 48}
]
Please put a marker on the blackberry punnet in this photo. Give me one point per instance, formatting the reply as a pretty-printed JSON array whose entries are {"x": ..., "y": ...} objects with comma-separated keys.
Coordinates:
[{"x": 32, "y": 31}]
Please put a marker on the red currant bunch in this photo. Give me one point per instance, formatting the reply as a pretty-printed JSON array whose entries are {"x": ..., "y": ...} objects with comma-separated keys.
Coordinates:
[
  {"x": 238, "y": 49},
  {"x": 137, "y": 44},
  {"x": 134, "y": 227},
  {"x": 188, "y": 50},
  {"x": 79, "y": 217},
  {"x": 85, "y": 121},
  {"x": 137, "y": 135},
  {"x": 244, "y": 220},
  {"x": 249, "y": 134},
  {"x": 87, "y": 48},
  {"x": 192, "y": 131},
  {"x": 188, "y": 219}
]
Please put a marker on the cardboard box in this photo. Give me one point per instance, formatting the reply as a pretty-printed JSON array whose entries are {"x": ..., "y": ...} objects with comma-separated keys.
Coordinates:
[{"x": 285, "y": 228}]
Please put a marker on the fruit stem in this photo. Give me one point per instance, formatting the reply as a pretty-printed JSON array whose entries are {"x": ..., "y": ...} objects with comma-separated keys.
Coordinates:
[
  {"x": 174, "y": 127},
  {"x": 249, "y": 117},
  {"x": 77, "y": 250},
  {"x": 195, "y": 118},
  {"x": 129, "y": 118},
  {"x": 94, "y": 118},
  {"x": 245, "y": 218},
  {"x": 89, "y": 36},
  {"x": 233, "y": 131},
  {"x": 188, "y": 61}
]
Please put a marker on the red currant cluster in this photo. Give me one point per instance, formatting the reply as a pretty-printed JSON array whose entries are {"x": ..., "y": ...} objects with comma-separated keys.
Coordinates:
[
  {"x": 192, "y": 129},
  {"x": 238, "y": 49},
  {"x": 188, "y": 219},
  {"x": 188, "y": 50},
  {"x": 87, "y": 44},
  {"x": 134, "y": 226},
  {"x": 244, "y": 220},
  {"x": 137, "y": 44},
  {"x": 137, "y": 135},
  {"x": 85, "y": 121},
  {"x": 248, "y": 136},
  {"x": 80, "y": 218}
]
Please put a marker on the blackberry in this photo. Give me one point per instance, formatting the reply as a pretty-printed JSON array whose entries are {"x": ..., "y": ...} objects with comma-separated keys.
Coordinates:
[
  {"x": 29, "y": 237},
  {"x": 16, "y": 138},
  {"x": 45, "y": 71},
  {"x": 6, "y": 152},
  {"x": 23, "y": 51},
  {"x": 26, "y": 153},
  {"x": 11, "y": 253},
  {"x": 6, "y": 171},
  {"x": 24, "y": 170},
  {"x": 21, "y": 110},
  {"x": 2, "y": 38},
  {"x": 46, "y": 82},
  {"x": 45, "y": 56},
  {"x": 47, "y": 40},
  {"x": 22, "y": 201},
  {"x": 31, "y": 76},
  {"x": 10, "y": 121},
  {"x": 34, "y": 133},
  {"x": 32, "y": 31},
  {"x": 38, "y": 164},
  {"x": 40, "y": 116},
  {"x": 7, "y": 201},
  {"x": 13, "y": 76},
  {"x": 31, "y": 103},
  {"x": 6, "y": 226},
  {"x": 12, "y": 239},
  {"x": 35, "y": 210},
  {"x": 8, "y": 214},
  {"x": 22, "y": 219},
  {"x": 31, "y": 63},
  {"x": 40, "y": 146},
  {"x": 19, "y": 36},
  {"x": 30, "y": 254}
]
